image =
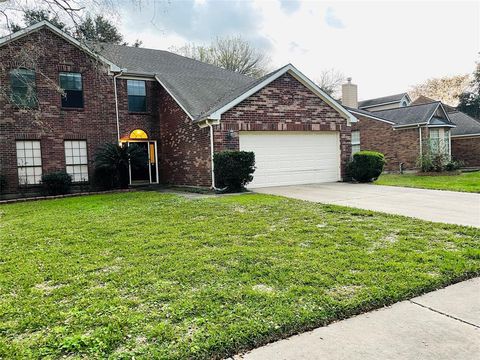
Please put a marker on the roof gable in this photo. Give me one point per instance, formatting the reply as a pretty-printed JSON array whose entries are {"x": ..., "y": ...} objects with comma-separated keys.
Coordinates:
[
  {"x": 226, "y": 105},
  {"x": 384, "y": 100},
  {"x": 46, "y": 25},
  {"x": 415, "y": 115}
]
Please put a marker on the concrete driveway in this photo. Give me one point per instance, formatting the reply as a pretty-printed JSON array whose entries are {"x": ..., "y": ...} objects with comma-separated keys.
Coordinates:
[
  {"x": 444, "y": 324},
  {"x": 433, "y": 205}
]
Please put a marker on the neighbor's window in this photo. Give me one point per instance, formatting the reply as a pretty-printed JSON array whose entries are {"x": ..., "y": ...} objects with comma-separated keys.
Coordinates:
[
  {"x": 137, "y": 96},
  {"x": 76, "y": 159},
  {"x": 446, "y": 141},
  {"x": 29, "y": 162},
  {"x": 355, "y": 141},
  {"x": 434, "y": 140},
  {"x": 71, "y": 83},
  {"x": 23, "y": 88}
]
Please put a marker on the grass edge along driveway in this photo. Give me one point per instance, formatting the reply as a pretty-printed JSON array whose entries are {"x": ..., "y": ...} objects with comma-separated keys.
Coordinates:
[
  {"x": 156, "y": 275},
  {"x": 464, "y": 182}
]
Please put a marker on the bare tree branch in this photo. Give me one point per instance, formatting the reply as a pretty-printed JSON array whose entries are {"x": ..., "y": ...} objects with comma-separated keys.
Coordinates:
[
  {"x": 231, "y": 53},
  {"x": 330, "y": 81},
  {"x": 446, "y": 89}
]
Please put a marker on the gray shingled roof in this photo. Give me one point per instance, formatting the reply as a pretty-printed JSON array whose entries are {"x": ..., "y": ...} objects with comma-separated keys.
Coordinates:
[
  {"x": 381, "y": 100},
  {"x": 198, "y": 86},
  {"x": 410, "y": 115},
  {"x": 365, "y": 112},
  {"x": 465, "y": 124}
]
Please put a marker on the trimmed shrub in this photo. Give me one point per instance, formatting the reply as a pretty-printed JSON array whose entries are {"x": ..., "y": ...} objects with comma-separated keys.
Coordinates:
[
  {"x": 453, "y": 165},
  {"x": 56, "y": 183},
  {"x": 3, "y": 183},
  {"x": 233, "y": 169},
  {"x": 103, "y": 179},
  {"x": 366, "y": 166}
]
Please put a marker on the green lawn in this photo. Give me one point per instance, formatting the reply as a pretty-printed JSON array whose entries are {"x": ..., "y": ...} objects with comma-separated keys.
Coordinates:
[
  {"x": 156, "y": 275},
  {"x": 468, "y": 182}
]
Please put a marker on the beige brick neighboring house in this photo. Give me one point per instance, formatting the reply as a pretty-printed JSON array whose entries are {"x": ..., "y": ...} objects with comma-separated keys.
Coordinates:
[{"x": 400, "y": 130}]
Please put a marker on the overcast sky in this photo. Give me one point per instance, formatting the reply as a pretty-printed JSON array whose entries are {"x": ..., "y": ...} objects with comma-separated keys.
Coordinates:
[{"x": 384, "y": 46}]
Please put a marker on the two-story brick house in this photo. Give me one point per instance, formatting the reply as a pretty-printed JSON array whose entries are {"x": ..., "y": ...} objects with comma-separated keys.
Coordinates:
[{"x": 180, "y": 110}]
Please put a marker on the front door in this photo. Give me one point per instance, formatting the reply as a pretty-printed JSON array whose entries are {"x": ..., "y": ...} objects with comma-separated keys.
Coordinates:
[
  {"x": 140, "y": 174},
  {"x": 147, "y": 173}
]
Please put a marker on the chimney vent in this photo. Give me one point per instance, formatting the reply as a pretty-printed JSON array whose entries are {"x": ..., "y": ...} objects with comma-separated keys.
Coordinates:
[{"x": 350, "y": 94}]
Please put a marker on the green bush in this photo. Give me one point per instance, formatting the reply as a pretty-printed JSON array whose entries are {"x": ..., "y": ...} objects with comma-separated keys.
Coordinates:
[
  {"x": 437, "y": 162},
  {"x": 453, "y": 165},
  {"x": 425, "y": 163},
  {"x": 56, "y": 183},
  {"x": 3, "y": 183},
  {"x": 366, "y": 166},
  {"x": 103, "y": 179},
  {"x": 112, "y": 162},
  {"x": 233, "y": 169}
]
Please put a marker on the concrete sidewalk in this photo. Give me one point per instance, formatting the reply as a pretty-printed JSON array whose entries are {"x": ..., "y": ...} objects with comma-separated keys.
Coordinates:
[
  {"x": 444, "y": 324},
  {"x": 434, "y": 205}
]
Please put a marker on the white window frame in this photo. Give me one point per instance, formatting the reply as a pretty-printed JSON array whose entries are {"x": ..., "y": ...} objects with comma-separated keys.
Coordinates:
[
  {"x": 29, "y": 162},
  {"x": 76, "y": 160},
  {"x": 355, "y": 142}
]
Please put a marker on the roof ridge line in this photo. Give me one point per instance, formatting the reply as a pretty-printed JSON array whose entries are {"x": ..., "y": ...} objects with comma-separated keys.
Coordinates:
[{"x": 409, "y": 106}]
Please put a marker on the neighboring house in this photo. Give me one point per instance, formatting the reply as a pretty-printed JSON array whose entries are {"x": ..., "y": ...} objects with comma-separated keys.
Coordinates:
[
  {"x": 403, "y": 132},
  {"x": 465, "y": 136},
  {"x": 465, "y": 139},
  {"x": 385, "y": 102},
  {"x": 180, "y": 110}
]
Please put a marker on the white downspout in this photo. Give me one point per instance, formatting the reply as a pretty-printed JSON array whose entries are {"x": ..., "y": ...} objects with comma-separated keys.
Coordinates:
[
  {"x": 211, "y": 154},
  {"x": 421, "y": 141},
  {"x": 116, "y": 103}
]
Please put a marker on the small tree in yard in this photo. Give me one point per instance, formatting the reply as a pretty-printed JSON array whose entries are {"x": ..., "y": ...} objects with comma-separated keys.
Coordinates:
[
  {"x": 112, "y": 161},
  {"x": 233, "y": 169},
  {"x": 366, "y": 166}
]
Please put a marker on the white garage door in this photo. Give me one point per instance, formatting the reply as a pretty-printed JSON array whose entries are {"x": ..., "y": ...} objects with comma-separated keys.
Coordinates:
[{"x": 288, "y": 158}]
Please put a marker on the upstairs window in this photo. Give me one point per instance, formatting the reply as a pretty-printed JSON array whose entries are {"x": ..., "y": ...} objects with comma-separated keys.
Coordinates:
[
  {"x": 71, "y": 83},
  {"x": 23, "y": 88},
  {"x": 355, "y": 141},
  {"x": 137, "y": 96}
]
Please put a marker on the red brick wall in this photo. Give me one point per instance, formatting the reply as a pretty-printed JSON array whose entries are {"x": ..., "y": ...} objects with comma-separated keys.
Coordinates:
[
  {"x": 283, "y": 105},
  {"x": 467, "y": 150},
  {"x": 398, "y": 146},
  {"x": 95, "y": 123},
  {"x": 147, "y": 121},
  {"x": 184, "y": 152}
]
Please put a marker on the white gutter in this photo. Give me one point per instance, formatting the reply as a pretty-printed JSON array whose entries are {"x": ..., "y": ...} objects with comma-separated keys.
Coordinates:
[
  {"x": 464, "y": 135},
  {"x": 409, "y": 125},
  {"x": 116, "y": 102}
]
